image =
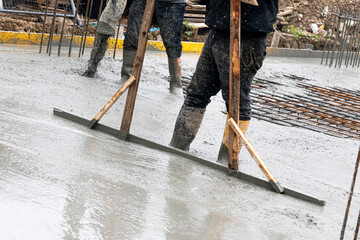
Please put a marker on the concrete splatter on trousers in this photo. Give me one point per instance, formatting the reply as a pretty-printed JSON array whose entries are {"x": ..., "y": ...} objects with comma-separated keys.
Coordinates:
[
  {"x": 212, "y": 71},
  {"x": 111, "y": 16},
  {"x": 168, "y": 16},
  {"x": 106, "y": 28}
]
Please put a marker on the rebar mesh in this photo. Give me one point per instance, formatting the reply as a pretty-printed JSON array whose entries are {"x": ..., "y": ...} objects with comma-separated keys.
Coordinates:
[
  {"x": 332, "y": 111},
  {"x": 342, "y": 45},
  {"x": 38, "y": 7}
]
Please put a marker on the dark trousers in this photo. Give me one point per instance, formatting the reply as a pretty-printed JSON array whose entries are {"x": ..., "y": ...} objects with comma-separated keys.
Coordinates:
[
  {"x": 169, "y": 17},
  {"x": 212, "y": 70}
]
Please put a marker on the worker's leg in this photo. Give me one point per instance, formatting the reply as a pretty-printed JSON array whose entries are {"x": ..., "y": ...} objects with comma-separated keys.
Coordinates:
[
  {"x": 205, "y": 84},
  {"x": 170, "y": 18},
  {"x": 111, "y": 16},
  {"x": 106, "y": 28},
  {"x": 97, "y": 54},
  {"x": 253, "y": 53},
  {"x": 131, "y": 37}
]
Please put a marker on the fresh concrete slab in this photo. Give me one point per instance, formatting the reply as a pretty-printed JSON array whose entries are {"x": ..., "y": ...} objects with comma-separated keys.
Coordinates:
[{"x": 60, "y": 180}]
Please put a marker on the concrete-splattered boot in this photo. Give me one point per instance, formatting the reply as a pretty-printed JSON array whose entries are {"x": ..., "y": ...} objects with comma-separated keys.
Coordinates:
[
  {"x": 223, "y": 156},
  {"x": 175, "y": 75},
  {"x": 97, "y": 54},
  {"x": 128, "y": 63},
  {"x": 186, "y": 127}
]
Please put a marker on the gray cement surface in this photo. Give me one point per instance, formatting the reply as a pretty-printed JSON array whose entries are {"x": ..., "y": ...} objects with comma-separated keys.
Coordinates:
[{"x": 60, "y": 180}]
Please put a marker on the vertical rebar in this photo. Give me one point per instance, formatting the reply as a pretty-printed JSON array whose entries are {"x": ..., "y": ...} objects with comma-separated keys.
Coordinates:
[
  {"x": 100, "y": 11},
  {"x": 62, "y": 28},
  {"x": 44, "y": 23},
  {"x": 83, "y": 30},
  {"x": 352, "y": 37},
  {"x": 98, "y": 19},
  {"x": 336, "y": 37},
  {"x": 356, "y": 40},
  {"x": 87, "y": 27},
  {"x": 341, "y": 36},
  {"x": 332, "y": 31},
  {"x": 117, "y": 37},
  {"x": 346, "y": 36},
  {"x": 357, "y": 228},
  {"x": 350, "y": 197},
  {"x": 357, "y": 54},
  {"x": 327, "y": 34},
  {"x": 73, "y": 29},
  {"x": 52, "y": 29}
]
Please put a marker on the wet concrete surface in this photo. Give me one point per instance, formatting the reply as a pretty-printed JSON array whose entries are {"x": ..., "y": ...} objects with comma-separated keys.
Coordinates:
[{"x": 60, "y": 180}]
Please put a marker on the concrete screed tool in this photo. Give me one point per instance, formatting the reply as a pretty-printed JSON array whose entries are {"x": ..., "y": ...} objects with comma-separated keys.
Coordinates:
[{"x": 236, "y": 134}]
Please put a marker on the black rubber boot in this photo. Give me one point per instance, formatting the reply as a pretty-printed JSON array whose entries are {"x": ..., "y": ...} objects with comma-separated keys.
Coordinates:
[
  {"x": 128, "y": 63},
  {"x": 175, "y": 75},
  {"x": 186, "y": 127},
  {"x": 97, "y": 54}
]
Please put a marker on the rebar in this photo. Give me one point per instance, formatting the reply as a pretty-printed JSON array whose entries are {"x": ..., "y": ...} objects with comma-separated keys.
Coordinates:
[
  {"x": 331, "y": 111},
  {"x": 83, "y": 30},
  {"x": 345, "y": 46},
  {"x": 52, "y": 29},
  {"x": 357, "y": 228},
  {"x": 43, "y": 27},
  {"x": 352, "y": 38},
  {"x": 327, "y": 34},
  {"x": 117, "y": 37},
  {"x": 350, "y": 197},
  {"x": 32, "y": 13},
  {"x": 87, "y": 27},
  {"x": 336, "y": 37},
  {"x": 343, "y": 30},
  {"x": 332, "y": 32},
  {"x": 74, "y": 26},
  {"x": 355, "y": 43},
  {"x": 100, "y": 11},
  {"x": 345, "y": 40},
  {"x": 62, "y": 28}
]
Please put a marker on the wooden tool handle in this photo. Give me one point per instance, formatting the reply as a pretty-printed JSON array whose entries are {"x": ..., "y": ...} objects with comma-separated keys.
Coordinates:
[
  {"x": 117, "y": 95},
  {"x": 234, "y": 81},
  {"x": 255, "y": 156},
  {"x": 138, "y": 63}
]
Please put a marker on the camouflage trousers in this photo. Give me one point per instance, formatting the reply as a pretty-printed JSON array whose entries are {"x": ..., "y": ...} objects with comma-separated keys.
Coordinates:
[{"x": 110, "y": 16}]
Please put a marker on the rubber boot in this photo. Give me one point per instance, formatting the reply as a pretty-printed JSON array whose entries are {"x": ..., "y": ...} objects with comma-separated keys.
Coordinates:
[
  {"x": 175, "y": 75},
  {"x": 186, "y": 127},
  {"x": 97, "y": 54},
  {"x": 223, "y": 156},
  {"x": 128, "y": 63}
]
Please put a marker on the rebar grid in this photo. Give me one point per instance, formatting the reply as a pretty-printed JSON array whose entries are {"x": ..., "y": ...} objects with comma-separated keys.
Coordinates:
[
  {"x": 342, "y": 43},
  {"x": 39, "y": 7},
  {"x": 331, "y": 111}
]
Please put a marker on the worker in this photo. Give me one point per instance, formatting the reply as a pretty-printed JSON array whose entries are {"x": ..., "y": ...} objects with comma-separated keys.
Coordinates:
[
  {"x": 169, "y": 16},
  {"x": 107, "y": 24},
  {"x": 212, "y": 71}
]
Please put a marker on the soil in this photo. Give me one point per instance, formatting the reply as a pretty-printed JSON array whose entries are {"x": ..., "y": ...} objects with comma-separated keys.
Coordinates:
[{"x": 300, "y": 16}]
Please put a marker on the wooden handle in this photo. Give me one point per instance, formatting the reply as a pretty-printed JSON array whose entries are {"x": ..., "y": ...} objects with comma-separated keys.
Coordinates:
[
  {"x": 138, "y": 63},
  {"x": 251, "y": 150},
  {"x": 117, "y": 95},
  {"x": 234, "y": 79}
]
